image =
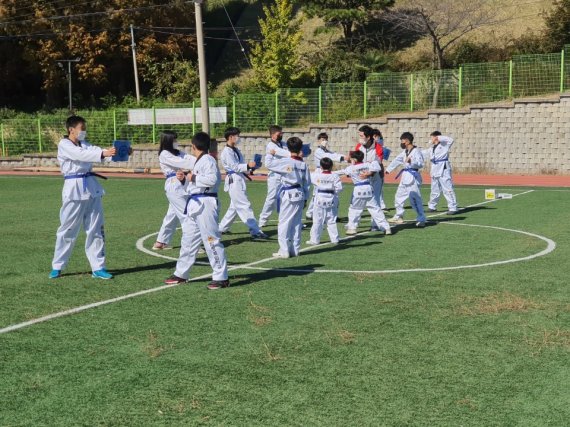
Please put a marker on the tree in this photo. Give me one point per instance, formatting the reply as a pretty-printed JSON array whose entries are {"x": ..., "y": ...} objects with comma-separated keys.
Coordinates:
[
  {"x": 275, "y": 59},
  {"x": 345, "y": 13},
  {"x": 557, "y": 31},
  {"x": 443, "y": 21}
]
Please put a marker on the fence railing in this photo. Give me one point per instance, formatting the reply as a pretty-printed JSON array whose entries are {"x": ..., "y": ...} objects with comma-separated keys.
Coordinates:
[{"x": 381, "y": 93}]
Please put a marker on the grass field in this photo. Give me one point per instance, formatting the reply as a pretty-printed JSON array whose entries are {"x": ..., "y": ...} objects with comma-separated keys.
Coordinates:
[{"x": 289, "y": 344}]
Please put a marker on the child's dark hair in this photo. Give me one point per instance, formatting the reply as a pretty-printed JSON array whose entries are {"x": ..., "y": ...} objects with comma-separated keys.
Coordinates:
[
  {"x": 435, "y": 133},
  {"x": 376, "y": 132},
  {"x": 326, "y": 164},
  {"x": 357, "y": 155},
  {"x": 167, "y": 139},
  {"x": 274, "y": 129},
  {"x": 201, "y": 141},
  {"x": 323, "y": 135},
  {"x": 231, "y": 132},
  {"x": 73, "y": 121},
  {"x": 408, "y": 136},
  {"x": 294, "y": 144}
]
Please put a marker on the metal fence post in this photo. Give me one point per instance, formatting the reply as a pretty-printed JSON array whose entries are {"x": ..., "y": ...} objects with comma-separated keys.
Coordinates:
[
  {"x": 40, "y": 135},
  {"x": 365, "y": 98},
  {"x": 234, "y": 111},
  {"x": 153, "y": 124},
  {"x": 114, "y": 124},
  {"x": 320, "y": 104},
  {"x": 277, "y": 106},
  {"x": 562, "y": 71},
  {"x": 193, "y": 117},
  {"x": 411, "y": 92},
  {"x": 511, "y": 78},
  {"x": 2, "y": 139},
  {"x": 460, "y": 91}
]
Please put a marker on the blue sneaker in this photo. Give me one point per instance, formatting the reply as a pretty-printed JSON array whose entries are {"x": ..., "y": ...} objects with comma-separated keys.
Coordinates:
[
  {"x": 54, "y": 274},
  {"x": 102, "y": 274}
]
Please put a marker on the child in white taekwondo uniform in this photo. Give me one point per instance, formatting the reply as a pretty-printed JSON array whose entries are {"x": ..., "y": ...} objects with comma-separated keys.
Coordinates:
[
  {"x": 235, "y": 184},
  {"x": 440, "y": 172},
  {"x": 412, "y": 161},
  {"x": 326, "y": 188},
  {"x": 201, "y": 222},
  {"x": 321, "y": 152},
  {"x": 373, "y": 152},
  {"x": 171, "y": 159},
  {"x": 81, "y": 197},
  {"x": 363, "y": 193},
  {"x": 273, "y": 179},
  {"x": 293, "y": 194}
]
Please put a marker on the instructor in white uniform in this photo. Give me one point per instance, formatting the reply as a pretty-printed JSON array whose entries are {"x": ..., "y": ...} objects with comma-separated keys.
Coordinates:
[{"x": 81, "y": 200}]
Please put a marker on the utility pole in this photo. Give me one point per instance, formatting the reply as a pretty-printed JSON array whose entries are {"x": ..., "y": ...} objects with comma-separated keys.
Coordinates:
[
  {"x": 202, "y": 67},
  {"x": 60, "y": 63},
  {"x": 134, "y": 48}
]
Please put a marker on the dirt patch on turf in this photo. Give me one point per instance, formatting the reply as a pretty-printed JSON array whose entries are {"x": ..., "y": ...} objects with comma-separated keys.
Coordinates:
[
  {"x": 152, "y": 347},
  {"x": 495, "y": 303},
  {"x": 558, "y": 338}
]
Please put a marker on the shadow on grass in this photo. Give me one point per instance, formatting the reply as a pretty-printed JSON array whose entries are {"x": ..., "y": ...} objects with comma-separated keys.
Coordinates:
[{"x": 245, "y": 279}]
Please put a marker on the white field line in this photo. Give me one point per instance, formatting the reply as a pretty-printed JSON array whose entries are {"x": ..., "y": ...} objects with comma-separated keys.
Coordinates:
[{"x": 82, "y": 308}]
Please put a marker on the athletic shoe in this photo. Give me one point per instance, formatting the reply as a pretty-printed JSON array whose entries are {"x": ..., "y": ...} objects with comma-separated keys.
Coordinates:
[
  {"x": 201, "y": 251},
  {"x": 55, "y": 274},
  {"x": 432, "y": 210},
  {"x": 350, "y": 231},
  {"x": 396, "y": 219},
  {"x": 335, "y": 242},
  {"x": 260, "y": 236},
  {"x": 261, "y": 224},
  {"x": 102, "y": 274},
  {"x": 311, "y": 243},
  {"x": 279, "y": 255},
  {"x": 161, "y": 247},
  {"x": 218, "y": 284},
  {"x": 309, "y": 217},
  {"x": 451, "y": 212},
  {"x": 388, "y": 231},
  {"x": 420, "y": 224},
  {"x": 175, "y": 280}
]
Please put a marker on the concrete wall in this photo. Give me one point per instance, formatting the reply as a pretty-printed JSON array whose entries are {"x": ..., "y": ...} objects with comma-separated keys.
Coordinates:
[{"x": 527, "y": 136}]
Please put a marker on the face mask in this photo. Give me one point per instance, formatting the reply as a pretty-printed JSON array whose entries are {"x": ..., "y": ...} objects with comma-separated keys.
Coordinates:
[
  {"x": 402, "y": 146},
  {"x": 324, "y": 143},
  {"x": 279, "y": 138},
  {"x": 175, "y": 146},
  {"x": 82, "y": 135},
  {"x": 238, "y": 141}
]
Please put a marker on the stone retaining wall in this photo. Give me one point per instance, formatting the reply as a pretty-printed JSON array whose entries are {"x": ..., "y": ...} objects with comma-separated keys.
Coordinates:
[{"x": 527, "y": 136}]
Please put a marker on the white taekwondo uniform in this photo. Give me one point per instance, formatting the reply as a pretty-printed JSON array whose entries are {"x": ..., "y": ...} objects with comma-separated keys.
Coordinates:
[
  {"x": 376, "y": 180},
  {"x": 320, "y": 153},
  {"x": 294, "y": 191},
  {"x": 326, "y": 188},
  {"x": 175, "y": 192},
  {"x": 363, "y": 196},
  {"x": 273, "y": 181},
  {"x": 81, "y": 204},
  {"x": 235, "y": 184},
  {"x": 410, "y": 182},
  {"x": 201, "y": 223},
  {"x": 441, "y": 179}
]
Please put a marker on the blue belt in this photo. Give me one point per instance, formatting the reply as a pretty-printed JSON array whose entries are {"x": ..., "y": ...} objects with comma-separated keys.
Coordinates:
[
  {"x": 414, "y": 172},
  {"x": 197, "y": 197},
  {"x": 84, "y": 176},
  {"x": 440, "y": 160},
  {"x": 358, "y": 184},
  {"x": 281, "y": 190},
  {"x": 230, "y": 172},
  {"x": 170, "y": 175},
  {"x": 326, "y": 191}
]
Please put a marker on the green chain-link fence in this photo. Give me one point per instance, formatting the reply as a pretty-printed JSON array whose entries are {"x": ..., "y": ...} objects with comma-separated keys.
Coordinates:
[{"x": 381, "y": 93}]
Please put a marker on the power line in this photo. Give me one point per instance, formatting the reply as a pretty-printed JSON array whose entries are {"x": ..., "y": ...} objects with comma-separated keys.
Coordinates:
[{"x": 237, "y": 37}]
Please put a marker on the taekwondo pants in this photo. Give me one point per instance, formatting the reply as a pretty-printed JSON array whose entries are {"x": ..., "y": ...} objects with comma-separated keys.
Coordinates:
[
  {"x": 357, "y": 206},
  {"x": 239, "y": 206},
  {"x": 325, "y": 212},
  {"x": 72, "y": 215},
  {"x": 411, "y": 191},
  {"x": 290, "y": 222},
  {"x": 201, "y": 226},
  {"x": 273, "y": 187},
  {"x": 443, "y": 183},
  {"x": 174, "y": 216}
]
